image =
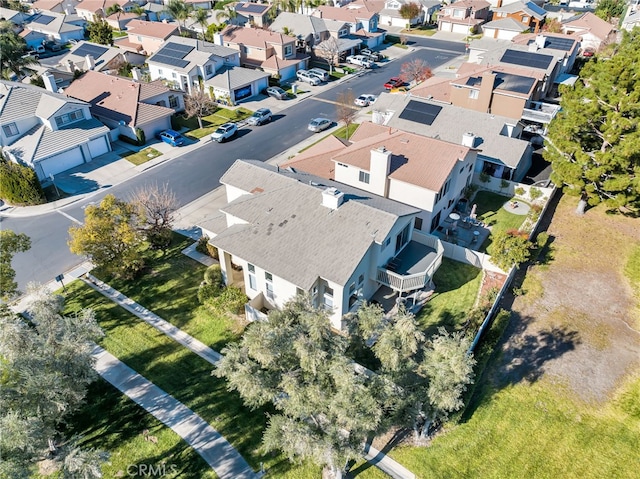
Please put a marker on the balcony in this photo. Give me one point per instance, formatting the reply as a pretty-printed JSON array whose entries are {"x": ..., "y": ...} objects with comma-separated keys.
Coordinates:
[
  {"x": 540, "y": 112},
  {"x": 414, "y": 267}
]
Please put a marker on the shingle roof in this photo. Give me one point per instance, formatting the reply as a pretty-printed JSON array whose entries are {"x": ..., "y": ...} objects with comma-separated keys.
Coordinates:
[
  {"x": 346, "y": 14},
  {"x": 290, "y": 234},
  {"x": 317, "y": 159},
  {"x": 201, "y": 53},
  {"x": 509, "y": 24},
  {"x": 452, "y": 123},
  {"x": 300, "y": 25},
  {"x": 117, "y": 98},
  {"x": 231, "y": 77},
  {"x": 151, "y": 29},
  {"x": 593, "y": 24},
  {"x": 254, "y": 37},
  {"x": 527, "y": 7}
]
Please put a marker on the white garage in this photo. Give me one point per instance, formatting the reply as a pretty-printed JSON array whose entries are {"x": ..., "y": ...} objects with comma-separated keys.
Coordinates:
[
  {"x": 61, "y": 162},
  {"x": 98, "y": 146}
]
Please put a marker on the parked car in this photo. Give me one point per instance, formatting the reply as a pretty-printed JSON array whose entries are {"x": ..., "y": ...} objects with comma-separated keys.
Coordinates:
[
  {"x": 310, "y": 78},
  {"x": 359, "y": 60},
  {"x": 277, "y": 92},
  {"x": 224, "y": 132},
  {"x": 394, "y": 82},
  {"x": 365, "y": 100},
  {"x": 37, "y": 49},
  {"x": 260, "y": 117},
  {"x": 172, "y": 137},
  {"x": 373, "y": 56},
  {"x": 588, "y": 52},
  {"x": 53, "y": 46},
  {"x": 320, "y": 73},
  {"x": 319, "y": 124}
]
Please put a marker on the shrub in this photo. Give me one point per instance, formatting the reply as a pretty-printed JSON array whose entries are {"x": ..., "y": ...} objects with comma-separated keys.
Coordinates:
[
  {"x": 140, "y": 136},
  {"x": 504, "y": 184},
  {"x": 535, "y": 193},
  {"x": 213, "y": 275},
  {"x": 542, "y": 239},
  {"x": 519, "y": 191},
  {"x": 204, "y": 247},
  {"x": 484, "y": 177},
  {"x": 231, "y": 300},
  {"x": 129, "y": 140},
  {"x": 509, "y": 248},
  {"x": 207, "y": 292},
  {"x": 19, "y": 185}
]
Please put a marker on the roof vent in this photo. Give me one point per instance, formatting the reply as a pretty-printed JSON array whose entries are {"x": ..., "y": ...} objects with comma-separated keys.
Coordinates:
[{"x": 332, "y": 198}]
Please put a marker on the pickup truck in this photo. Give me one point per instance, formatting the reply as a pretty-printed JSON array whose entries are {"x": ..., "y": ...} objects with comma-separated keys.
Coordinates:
[
  {"x": 394, "y": 82},
  {"x": 360, "y": 60}
]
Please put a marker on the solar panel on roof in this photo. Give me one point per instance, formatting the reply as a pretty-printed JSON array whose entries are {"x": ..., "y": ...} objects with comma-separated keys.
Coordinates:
[
  {"x": 44, "y": 19},
  {"x": 166, "y": 60},
  {"x": 536, "y": 9},
  {"x": 251, "y": 8},
  {"x": 527, "y": 59},
  {"x": 514, "y": 83},
  {"x": 556, "y": 43},
  {"x": 93, "y": 50},
  {"x": 419, "y": 112},
  {"x": 177, "y": 50}
]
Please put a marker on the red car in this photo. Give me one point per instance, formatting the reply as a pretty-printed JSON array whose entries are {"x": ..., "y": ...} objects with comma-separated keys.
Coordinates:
[
  {"x": 394, "y": 82},
  {"x": 588, "y": 52}
]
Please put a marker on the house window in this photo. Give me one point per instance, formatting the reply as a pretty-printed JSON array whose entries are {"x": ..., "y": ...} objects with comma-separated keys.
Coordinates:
[
  {"x": 69, "y": 117},
  {"x": 418, "y": 224},
  {"x": 360, "y": 279},
  {"x": 10, "y": 130},
  {"x": 160, "y": 72},
  {"x": 299, "y": 292},
  {"x": 252, "y": 277},
  {"x": 473, "y": 94},
  {"x": 269, "y": 285},
  {"x": 386, "y": 243},
  {"x": 364, "y": 177},
  {"x": 173, "y": 101},
  {"x": 343, "y": 33},
  {"x": 174, "y": 75},
  {"x": 352, "y": 288},
  {"x": 139, "y": 39},
  {"x": 161, "y": 103},
  {"x": 402, "y": 238},
  {"x": 327, "y": 300},
  {"x": 525, "y": 19},
  {"x": 288, "y": 50},
  {"x": 207, "y": 69}
]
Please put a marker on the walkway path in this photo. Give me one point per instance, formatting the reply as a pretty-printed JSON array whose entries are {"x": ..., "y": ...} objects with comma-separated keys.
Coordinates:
[
  {"x": 386, "y": 464},
  {"x": 215, "y": 449}
]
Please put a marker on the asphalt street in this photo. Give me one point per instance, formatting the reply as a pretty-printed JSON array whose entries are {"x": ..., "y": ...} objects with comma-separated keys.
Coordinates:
[{"x": 197, "y": 173}]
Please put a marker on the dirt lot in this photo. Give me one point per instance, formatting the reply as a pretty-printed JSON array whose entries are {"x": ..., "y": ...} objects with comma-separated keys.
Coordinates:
[{"x": 574, "y": 318}]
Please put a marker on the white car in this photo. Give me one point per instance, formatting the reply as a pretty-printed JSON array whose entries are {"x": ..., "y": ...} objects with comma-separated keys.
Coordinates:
[
  {"x": 310, "y": 78},
  {"x": 359, "y": 60},
  {"x": 365, "y": 100},
  {"x": 224, "y": 132}
]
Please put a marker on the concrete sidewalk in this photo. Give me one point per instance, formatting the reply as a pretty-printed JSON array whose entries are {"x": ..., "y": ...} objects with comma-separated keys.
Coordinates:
[{"x": 215, "y": 449}]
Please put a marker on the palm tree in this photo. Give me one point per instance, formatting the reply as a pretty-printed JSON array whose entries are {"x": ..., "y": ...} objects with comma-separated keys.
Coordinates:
[
  {"x": 179, "y": 10},
  {"x": 12, "y": 53},
  {"x": 201, "y": 17},
  {"x": 228, "y": 13}
]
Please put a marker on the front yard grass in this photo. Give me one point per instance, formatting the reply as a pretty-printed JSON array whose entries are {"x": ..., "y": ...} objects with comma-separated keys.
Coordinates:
[
  {"x": 112, "y": 422},
  {"x": 457, "y": 286},
  {"x": 142, "y": 156},
  {"x": 210, "y": 122}
]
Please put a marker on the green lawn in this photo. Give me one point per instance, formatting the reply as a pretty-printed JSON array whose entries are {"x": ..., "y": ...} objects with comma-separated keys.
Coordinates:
[
  {"x": 457, "y": 286},
  {"x": 529, "y": 431},
  {"x": 143, "y": 156},
  {"x": 491, "y": 212},
  {"x": 112, "y": 422},
  {"x": 210, "y": 122}
]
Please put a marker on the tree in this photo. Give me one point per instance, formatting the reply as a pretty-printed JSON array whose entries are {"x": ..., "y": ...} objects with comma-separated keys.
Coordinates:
[
  {"x": 415, "y": 71},
  {"x": 409, "y": 11},
  {"x": 212, "y": 29},
  {"x": 179, "y": 11},
  {"x": 110, "y": 237},
  {"x": 45, "y": 368},
  {"x": 10, "y": 244},
  {"x": 156, "y": 207},
  {"x": 201, "y": 17},
  {"x": 509, "y": 248},
  {"x": 593, "y": 143},
  {"x": 429, "y": 375},
  {"x": 100, "y": 32},
  {"x": 13, "y": 48},
  {"x": 552, "y": 25},
  {"x": 345, "y": 110},
  {"x": 115, "y": 8},
  {"x": 608, "y": 9},
  {"x": 199, "y": 104},
  {"x": 19, "y": 184},
  {"x": 227, "y": 13},
  {"x": 293, "y": 360},
  {"x": 329, "y": 50}
]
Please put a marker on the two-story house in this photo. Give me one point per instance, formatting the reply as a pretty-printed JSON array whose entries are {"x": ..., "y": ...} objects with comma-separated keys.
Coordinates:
[
  {"x": 94, "y": 10},
  {"x": 93, "y": 56},
  {"x": 464, "y": 16},
  {"x": 362, "y": 22},
  {"x": 592, "y": 31},
  {"x": 502, "y": 153},
  {"x": 258, "y": 14},
  {"x": 56, "y": 6},
  {"x": 57, "y": 26},
  {"x": 48, "y": 131},
  {"x": 185, "y": 62},
  {"x": 527, "y": 13},
  {"x": 273, "y": 52},
  {"x": 390, "y": 14},
  {"x": 145, "y": 37},
  {"x": 127, "y": 106},
  {"x": 285, "y": 233},
  {"x": 427, "y": 173}
]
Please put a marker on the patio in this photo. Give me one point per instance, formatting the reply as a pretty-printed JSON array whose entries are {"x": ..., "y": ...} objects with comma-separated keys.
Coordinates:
[{"x": 469, "y": 234}]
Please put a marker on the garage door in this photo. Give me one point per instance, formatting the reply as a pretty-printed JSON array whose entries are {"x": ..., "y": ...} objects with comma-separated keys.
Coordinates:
[
  {"x": 98, "y": 146},
  {"x": 62, "y": 162}
]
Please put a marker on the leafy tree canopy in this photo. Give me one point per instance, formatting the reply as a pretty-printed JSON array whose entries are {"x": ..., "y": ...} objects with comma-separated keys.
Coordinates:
[
  {"x": 10, "y": 243},
  {"x": 509, "y": 248},
  {"x": 594, "y": 142},
  {"x": 608, "y": 9},
  {"x": 100, "y": 32}
]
